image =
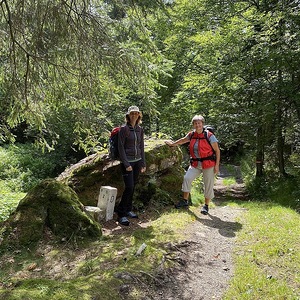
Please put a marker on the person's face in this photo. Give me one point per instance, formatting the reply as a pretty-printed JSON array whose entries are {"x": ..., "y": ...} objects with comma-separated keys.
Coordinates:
[
  {"x": 133, "y": 115},
  {"x": 198, "y": 125}
]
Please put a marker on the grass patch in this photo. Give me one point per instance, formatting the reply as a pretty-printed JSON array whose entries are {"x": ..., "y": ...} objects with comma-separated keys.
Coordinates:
[
  {"x": 91, "y": 271},
  {"x": 267, "y": 260},
  {"x": 229, "y": 181},
  {"x": 8, "y": 200},
  {"x": 267, "y": 254}
]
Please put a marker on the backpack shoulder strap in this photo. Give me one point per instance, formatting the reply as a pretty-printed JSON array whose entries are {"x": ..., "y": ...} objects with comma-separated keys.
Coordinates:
[
  {"x": 191, "y": 134},
  {"x": 207, "y": 135}
]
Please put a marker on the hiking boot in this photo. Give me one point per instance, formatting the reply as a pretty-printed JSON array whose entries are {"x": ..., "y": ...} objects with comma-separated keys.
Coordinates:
[
  {"x": 204, "y": 210},
  {"x": 124, "y": 221},
  {"x": 132, "y": 215},
  {"x": 182, "y": 204}
]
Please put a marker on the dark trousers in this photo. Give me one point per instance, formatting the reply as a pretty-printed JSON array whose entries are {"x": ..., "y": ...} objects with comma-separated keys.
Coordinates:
[{"x": 130, "y": 180}]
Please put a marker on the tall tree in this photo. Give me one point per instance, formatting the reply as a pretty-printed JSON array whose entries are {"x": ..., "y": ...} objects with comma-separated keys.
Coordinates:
[
  {"x": 93, "y": 57},
  {"x": 240, "y": 70}
]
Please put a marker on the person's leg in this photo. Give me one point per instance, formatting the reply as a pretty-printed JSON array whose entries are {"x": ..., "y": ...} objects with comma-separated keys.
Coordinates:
[
  {"x": 127, "y": 194},
  {"x": 190, "y": 175},
  {"x": 208, "y": 180},
  {"x": 186, "y": 195},
  {"x": 188, "y": 178},
  {"x": 136, "y": 169}
]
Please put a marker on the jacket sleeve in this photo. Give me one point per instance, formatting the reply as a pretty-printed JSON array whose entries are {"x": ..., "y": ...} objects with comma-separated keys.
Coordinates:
[
  {"x": 121, "y": 146},
  {"x": 143, "y": 148}
]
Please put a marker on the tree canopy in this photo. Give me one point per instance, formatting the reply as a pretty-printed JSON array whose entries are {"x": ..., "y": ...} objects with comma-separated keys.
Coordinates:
[
  {"x": 69, "y": 70},
  {"x": 83, "y": 61}
]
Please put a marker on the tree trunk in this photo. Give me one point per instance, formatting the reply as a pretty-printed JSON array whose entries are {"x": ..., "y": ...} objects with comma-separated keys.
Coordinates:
[
  {"x": 279, "y": 135},
  {"x": 280, "y": 143},
  {"x": 259, "y": 152}
]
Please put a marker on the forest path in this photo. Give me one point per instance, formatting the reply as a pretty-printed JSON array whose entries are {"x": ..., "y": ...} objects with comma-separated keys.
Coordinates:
[{"x": 205, "y": 259}]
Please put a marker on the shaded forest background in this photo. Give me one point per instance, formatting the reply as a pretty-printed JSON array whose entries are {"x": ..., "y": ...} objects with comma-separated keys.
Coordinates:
[{"x": 69, "y": 70}]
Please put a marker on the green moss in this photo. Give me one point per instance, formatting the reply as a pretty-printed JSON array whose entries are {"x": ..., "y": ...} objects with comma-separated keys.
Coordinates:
[
  {"x": 171, "y": 181},
  {"x": 87, "y": 177},
  {"x": 50, "y": 204}
]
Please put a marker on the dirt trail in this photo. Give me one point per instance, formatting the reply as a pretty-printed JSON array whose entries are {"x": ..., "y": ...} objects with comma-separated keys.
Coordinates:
[{"x": 205, "y": 262}]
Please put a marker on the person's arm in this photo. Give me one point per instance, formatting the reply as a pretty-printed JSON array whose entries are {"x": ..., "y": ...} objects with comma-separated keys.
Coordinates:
[
  {"x": 178, "y": 142},
  {"x": 216, "y": 148},
  {"x": 143, "y": 169}
]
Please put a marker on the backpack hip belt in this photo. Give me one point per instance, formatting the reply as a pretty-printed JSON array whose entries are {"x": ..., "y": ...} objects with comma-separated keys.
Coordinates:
[{"x": 211, "y": 157}]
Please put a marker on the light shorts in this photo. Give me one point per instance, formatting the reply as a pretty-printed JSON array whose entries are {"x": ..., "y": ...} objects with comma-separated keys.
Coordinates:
[{"x": 208, "y": 180}]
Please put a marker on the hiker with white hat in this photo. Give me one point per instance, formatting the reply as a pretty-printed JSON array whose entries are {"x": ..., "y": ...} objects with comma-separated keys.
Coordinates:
[{"x": 132, "y": 157}]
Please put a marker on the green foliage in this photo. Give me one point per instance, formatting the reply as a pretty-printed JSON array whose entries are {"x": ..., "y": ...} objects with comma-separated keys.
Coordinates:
[
  {"x": 271, "y": 186},
  {"x": 229, "y": 181},
  {"x": 22, "y": 166},
  {"x": 236, "y": 64},
  {"x": 93, "y": 58},
  {"x": 8, "y": 200},
  {"x": 197, "y": 196}
]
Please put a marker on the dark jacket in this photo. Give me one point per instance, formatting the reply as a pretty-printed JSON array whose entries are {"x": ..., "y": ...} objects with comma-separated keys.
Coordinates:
[{"x": 131, "y": 144}]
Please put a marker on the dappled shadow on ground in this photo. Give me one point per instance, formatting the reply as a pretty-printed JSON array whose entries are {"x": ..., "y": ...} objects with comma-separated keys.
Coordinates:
[
  {"x": 112, "y": 227},
  {"x": 202, "y": 263},
  {"x": 232, "y": 192},
  {"x": 200, "y": 266},
  {"x": 225, "y": 228}
]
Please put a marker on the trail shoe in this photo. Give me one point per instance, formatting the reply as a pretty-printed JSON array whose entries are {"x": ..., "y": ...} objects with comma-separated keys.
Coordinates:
[
  {"x": 182, "y": 204},
  {"x": 124, "y": 221},
  {"x": 132, "y": 215},
  {"x": 204, "y": 209}
]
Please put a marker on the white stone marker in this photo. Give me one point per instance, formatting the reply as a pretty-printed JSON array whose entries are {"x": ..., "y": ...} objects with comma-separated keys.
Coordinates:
[
  {"x": 95, "y": 212},
  {"x": 107, "y": 200}
]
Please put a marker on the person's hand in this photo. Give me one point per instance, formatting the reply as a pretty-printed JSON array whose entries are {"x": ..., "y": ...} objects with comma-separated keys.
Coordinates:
[
  {"x": 143, "y": 169},
  {"x": 216, "y": 170},
  {"x": 128, "y": 169}
]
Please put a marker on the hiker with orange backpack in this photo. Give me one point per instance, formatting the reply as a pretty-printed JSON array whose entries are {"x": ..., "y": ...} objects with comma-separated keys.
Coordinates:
[{"x": 204, "y": 157}]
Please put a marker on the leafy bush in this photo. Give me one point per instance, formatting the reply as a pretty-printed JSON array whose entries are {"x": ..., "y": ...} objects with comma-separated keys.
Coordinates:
[
  {"x": 271, "y": 187},
  {"x": 22, "y": 166},
  {"x": 8, "y": 200}
]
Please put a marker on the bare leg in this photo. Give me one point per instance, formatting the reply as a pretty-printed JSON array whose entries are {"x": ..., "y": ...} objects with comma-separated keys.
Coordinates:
[{"x": 186, "y": 196}]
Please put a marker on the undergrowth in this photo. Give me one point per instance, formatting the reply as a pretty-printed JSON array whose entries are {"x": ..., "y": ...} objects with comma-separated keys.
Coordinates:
[
  {"x": 272, "y": 187},
  {"x": 22, "y": 166},
  {"x": 267, "y": 260}
]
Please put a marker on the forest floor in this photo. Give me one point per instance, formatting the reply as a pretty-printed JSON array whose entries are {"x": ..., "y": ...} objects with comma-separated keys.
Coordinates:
[
  {"x": 204, "y": 260},
  {"x": 198, "y": 266}
]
